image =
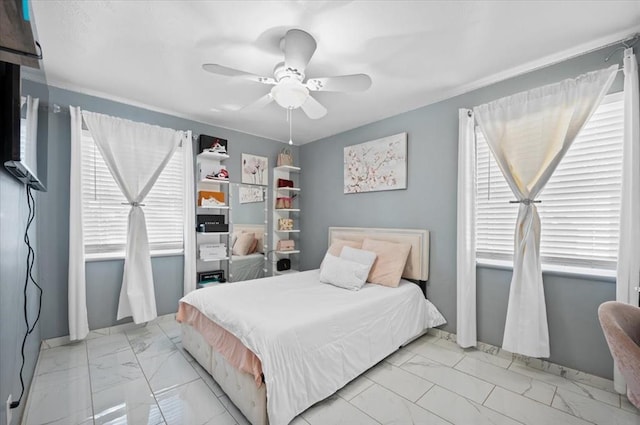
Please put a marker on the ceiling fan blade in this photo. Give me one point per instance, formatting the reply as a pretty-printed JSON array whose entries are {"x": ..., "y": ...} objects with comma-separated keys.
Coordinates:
[
  {"x": 344, "y": 83},
  {"x": 298, "y": 48},
  {"x": 214, "y": 68},
  {"x": 260, "y": 103},
  {"x": 313, "y": 108}
]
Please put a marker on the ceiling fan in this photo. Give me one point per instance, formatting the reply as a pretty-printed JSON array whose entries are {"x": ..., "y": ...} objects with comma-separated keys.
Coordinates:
[{"x": 289, "y": 87}]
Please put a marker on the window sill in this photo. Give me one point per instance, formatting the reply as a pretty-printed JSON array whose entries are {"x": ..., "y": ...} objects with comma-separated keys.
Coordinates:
[
  {"x": 109, "y": 256},
  {"x": 556, "y": 270}
]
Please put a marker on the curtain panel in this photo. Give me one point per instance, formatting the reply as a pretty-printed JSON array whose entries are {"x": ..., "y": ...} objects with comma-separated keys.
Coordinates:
[
  {"x": 77, "y": 292},
  {"x": 135, "y": 154},
  {"x": 189, "y": 215},
  {"x": 528, "y": 134},
  {"x": 628, "y": 269},
  {"x": 466, "y": 232}
]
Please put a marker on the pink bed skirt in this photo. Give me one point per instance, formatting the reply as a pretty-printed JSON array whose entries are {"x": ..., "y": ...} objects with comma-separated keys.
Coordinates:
[{"x": 222, "y": 341}]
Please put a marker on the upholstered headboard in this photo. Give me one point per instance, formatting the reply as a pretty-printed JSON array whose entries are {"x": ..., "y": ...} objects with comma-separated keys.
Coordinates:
[
  {"x": 256, "y": 229},
  {"x": 417, "y": 266}
]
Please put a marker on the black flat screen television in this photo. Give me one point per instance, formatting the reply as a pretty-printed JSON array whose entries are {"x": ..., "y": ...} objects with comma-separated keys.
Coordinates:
[{"x": 20, "y": 149}]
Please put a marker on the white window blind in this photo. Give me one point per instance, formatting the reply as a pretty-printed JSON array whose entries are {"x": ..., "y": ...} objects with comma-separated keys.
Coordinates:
[
  {"x": 105, "y": 215},
  {"x": 580, "y": 206}
]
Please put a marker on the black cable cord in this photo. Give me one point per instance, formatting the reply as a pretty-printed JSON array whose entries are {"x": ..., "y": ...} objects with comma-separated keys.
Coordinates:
[{"x": 31, "y": 259}]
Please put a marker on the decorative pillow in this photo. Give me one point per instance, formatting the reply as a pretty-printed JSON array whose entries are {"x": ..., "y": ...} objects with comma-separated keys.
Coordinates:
[
  {"x": 359, "y": 256},
  {"x": 243, "y": 244},
  {"x": 336, "y": 246},
  {"x": 253, "y": 246},
  {"x": 234, "y": 238},
  {"x": 260, "y": 244},
  {"x": 343, "y": 273},
  {"x": 390, "y": 261}
]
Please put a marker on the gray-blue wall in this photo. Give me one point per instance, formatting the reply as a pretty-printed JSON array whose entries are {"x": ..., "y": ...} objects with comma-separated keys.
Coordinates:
[
  {"x": 429, "y": 202},
  {"x": 13, "y": 255},
  {"x": 104, "y": 278},
  {"x": 13, "y": 260}
]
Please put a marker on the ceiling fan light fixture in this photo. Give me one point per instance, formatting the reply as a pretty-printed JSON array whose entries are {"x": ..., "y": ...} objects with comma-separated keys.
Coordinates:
[{"x": 290, "y": 94}]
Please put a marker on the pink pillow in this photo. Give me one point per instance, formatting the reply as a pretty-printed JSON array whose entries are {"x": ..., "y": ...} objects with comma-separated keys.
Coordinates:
[
  {"x": 389, "y": 265},
  {"x": 254, "y": 245},
  {"x": 336, "y": 246},
  {"x": 243, "y": 244}
]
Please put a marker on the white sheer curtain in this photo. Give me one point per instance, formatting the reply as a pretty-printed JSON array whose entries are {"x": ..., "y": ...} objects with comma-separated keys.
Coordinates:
[
  {"x": 189, "y": 216},
  {"x": 628, "y": 270},
  {"x": 135, "y": 154},
  {"x": 78, "y": 322},
  {"x": 528, "y": 134},
  {"x": 466, "y": 236}
]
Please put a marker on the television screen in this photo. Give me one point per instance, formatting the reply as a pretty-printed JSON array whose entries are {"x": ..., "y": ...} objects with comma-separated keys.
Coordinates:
[{"x": 21, "y": 145}]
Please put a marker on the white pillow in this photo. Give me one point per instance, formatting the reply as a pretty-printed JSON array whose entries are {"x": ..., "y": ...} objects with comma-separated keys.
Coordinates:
[
  {"x": 359, "y": 256},
  {"x": 343, "y": 273}
]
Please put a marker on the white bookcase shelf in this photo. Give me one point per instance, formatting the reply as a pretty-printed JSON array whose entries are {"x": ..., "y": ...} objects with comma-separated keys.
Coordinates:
[
  {"x": 209, "y": 162},
  {"x": 287, "y": 172}
]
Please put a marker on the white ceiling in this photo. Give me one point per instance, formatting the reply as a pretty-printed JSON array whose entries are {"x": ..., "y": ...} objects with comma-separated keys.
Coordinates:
[{"x": 149, "y": 53}]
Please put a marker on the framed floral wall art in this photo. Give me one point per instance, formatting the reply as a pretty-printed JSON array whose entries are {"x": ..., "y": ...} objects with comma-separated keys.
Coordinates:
[
  {"x": 255, "y": 169},
  {"x": 376, "y": 165}
]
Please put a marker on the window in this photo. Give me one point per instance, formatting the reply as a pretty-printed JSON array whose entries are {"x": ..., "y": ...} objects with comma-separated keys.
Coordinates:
[
  {"x": 105, "y": 210},
  {"x": 580, "y": 206}
]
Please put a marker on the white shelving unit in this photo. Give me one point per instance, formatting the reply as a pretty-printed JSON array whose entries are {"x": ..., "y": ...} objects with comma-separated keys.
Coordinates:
[
  {"x": 208, "y": 162},
  {"x": 288, "y": 172}
]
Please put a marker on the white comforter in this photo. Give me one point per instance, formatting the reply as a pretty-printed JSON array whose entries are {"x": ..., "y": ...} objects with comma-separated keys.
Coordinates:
[{"x": 313, "y": 338}]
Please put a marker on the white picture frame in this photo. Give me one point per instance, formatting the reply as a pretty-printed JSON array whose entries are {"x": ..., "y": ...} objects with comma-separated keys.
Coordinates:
[
  {"x": 376, "y": 165},
  {"x": 255, "y": 169}
]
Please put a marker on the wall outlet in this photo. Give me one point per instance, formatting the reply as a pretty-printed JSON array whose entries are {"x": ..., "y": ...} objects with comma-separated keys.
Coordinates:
[{"x": 9, "y": 411}]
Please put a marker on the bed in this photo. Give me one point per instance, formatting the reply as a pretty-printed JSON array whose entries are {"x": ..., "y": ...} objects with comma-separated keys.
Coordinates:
[
  {"x": 251, "y": 266},
  {"x": 295, "y": 341}
]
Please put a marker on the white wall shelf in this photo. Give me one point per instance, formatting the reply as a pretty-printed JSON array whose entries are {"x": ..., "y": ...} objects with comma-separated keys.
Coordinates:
[
  {"x": 288, "y": 189},
  {"x": 213, "y": 259},
  {"x": 287, "y": 169},
  {"x": 287, "y": 252},
  {"x": 214, "y": 181},
  {"x": 207, "y": 210},
  {"x": 213, "y": 155},
  {"x": 287, "y": 209},
  {"x": 288, "y": 231},
  {"x": 291, "y": 271}
]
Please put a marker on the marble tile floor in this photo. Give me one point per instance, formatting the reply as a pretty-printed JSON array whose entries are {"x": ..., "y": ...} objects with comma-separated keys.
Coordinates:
[{"x": 142, "y": 375}]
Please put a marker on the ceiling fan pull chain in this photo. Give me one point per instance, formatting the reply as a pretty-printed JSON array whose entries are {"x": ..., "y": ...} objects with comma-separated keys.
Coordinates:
[{"x": 290, "y": 118}]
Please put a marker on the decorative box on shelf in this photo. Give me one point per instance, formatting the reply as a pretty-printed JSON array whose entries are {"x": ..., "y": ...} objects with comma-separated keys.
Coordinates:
[
  {"x": 212, "y": 223},
  {"x": 210, "y": 198}
]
